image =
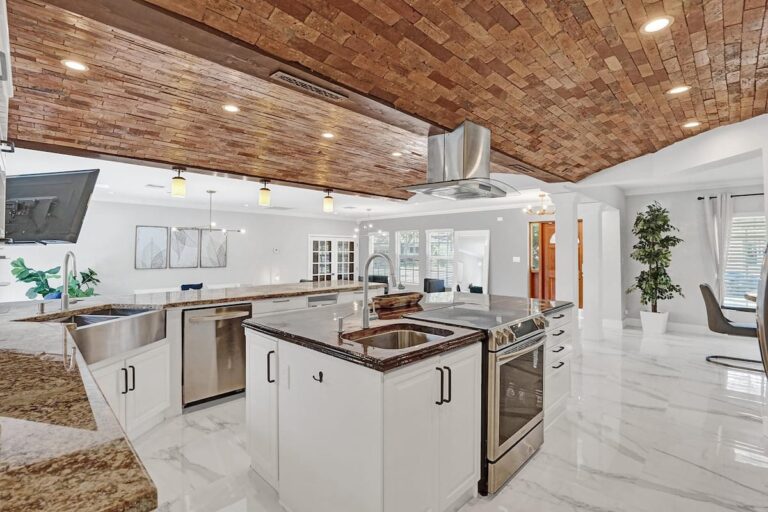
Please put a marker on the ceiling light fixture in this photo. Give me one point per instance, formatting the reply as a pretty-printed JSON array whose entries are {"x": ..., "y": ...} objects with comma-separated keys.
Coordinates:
[
  {"x": 74, "y": 65},
  {"x": 178, "y": 183},
  {"x": 265, "y": 195},
  {"x": 679, "y": 89},
  {"x": 397, "y": 153},
  {"x": 544, "y": 209},
  {"x": 691, "y": 124},
  {"x": 656, "y": 24},
  {"x": 231, "y": 108},
  {"x": 328, "y": 201},
  {"x": 211, "y": 223},
  {"x": 327, "y": 135}
]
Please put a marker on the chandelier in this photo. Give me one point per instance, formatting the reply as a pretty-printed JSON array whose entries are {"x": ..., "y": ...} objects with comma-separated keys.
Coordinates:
[{"x": 543, "y": 209}]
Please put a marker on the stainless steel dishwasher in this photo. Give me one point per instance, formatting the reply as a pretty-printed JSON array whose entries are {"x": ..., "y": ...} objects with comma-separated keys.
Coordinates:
[{"x": 213, "y": 352}]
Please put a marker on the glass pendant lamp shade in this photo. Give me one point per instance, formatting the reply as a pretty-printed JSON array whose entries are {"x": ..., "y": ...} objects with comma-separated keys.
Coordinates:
[
  {"x": 328, "y": 202},
  {"x": 178, "y": 185},
  {"x": 265, "y": 195}
]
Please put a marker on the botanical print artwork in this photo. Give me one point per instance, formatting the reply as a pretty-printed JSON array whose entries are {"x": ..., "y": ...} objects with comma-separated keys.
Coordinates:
[
  {"x": 151, "y": 247},
  {"x": 185, "y": 247},
  {"x": 213, "y": 248}
]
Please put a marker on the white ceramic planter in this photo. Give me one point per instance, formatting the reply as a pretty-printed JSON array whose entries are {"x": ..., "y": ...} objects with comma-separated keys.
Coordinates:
[{"x": 654, "y": 323}]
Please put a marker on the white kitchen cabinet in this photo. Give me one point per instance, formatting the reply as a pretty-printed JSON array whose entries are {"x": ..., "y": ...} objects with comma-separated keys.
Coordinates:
[
  {"x": 349, "y": 297},
  {"x": 330, "y": 433},
  {"x": 269, "y": 306},
  {"x": 261, "y": 403},
  {"x": 137, "y": 388},
  {"x": 432, "y": 449},
  {"x": 560, "y": 348},
  {"x": 352, "y": 438}
]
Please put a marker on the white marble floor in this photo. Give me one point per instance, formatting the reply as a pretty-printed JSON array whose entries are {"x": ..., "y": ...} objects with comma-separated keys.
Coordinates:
[{"x": 650, "y": 426}]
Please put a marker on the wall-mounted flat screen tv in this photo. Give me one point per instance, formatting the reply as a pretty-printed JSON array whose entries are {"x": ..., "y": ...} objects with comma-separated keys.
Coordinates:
[{"x": 47, "y": 208}]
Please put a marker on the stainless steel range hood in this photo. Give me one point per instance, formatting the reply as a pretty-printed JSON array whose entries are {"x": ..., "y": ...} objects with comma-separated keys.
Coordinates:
[{"x": 459, "y": 165}]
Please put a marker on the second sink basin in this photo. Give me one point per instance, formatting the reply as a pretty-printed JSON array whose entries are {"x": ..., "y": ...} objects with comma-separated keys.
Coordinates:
[{"x": 397, "y": 336}]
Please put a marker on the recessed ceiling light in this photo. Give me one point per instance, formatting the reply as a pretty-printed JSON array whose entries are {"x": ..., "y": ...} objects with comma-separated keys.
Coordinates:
[
  {"x": 327, "y": 135},
  {"x": 231, "y": 108},
  {"x": 656, "y": 24},
  {"x": 679, "y": 89},
  {"x": 397, "y": 153},
  {"x": 74, "y": 65},
  {"x": 691, "y": 124}
]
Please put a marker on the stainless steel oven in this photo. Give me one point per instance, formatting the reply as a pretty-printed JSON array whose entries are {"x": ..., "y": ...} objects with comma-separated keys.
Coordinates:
[{"x": 515, "y": 407}]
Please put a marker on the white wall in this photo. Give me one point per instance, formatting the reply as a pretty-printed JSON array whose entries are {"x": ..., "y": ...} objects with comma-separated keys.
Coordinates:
[
  {"x": 508, "y": 239},
  {"x": 691, "y": 264},
  {"x": 273, "y": 249}
]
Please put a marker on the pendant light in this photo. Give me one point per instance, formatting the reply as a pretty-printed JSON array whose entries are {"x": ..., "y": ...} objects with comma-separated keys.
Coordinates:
[
  {"x": 178, "y": 184},
  {"x": 211, "y": 223},
  {"x": 328, "y": 201},
  {"x": 265, "y": 195}
]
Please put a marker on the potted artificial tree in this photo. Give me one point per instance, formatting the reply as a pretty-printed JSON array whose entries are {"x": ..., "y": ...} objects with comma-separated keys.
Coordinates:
[{"x": 654, "y": 249}]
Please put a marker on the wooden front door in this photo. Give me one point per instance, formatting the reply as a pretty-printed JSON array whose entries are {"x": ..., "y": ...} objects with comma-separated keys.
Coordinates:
[{"x": 541, "y": 257}]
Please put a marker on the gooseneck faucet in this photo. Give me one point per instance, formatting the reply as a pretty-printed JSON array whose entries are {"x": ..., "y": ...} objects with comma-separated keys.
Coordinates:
[
  {"x": 392, "y": 280},
  {"x": 65, "y": 276}
]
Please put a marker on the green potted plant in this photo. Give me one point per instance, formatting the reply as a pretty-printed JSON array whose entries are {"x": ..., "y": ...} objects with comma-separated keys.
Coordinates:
[
  {"x": 79, "y": 286},
  {"x": 654, "y": 250}
]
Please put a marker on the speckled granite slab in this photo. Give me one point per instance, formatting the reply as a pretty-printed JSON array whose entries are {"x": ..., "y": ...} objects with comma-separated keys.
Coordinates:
[{"x": 61, "y": 447}]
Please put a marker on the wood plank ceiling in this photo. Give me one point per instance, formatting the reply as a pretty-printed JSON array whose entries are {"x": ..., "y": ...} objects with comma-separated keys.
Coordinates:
[{"x": 571, "y": 87}]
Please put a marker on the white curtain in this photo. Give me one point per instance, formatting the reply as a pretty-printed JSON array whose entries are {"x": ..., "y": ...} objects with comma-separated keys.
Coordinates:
[{"x": 718, "y": 213}]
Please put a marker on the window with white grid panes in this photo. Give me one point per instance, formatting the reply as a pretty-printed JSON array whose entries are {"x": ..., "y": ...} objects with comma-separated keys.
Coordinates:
[
  {"x": 332, "y": 258},
  {"x": 322, "y": 264},
  {"x": 345, "y": 260},
  {"x": 440, "y": 264},
  {"x": 408, "y": 256},
  {"x": 379, "y": 242}
]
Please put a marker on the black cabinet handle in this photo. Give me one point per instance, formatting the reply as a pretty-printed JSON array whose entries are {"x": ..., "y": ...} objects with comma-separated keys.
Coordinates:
[
  {"x": 450, "y": 385},
  {"x": 558, "y": 349},
  {"x": 133, "y": 378},
  {"x": 269, "y": 367},
  {"x": 558, "y": 317},
  {"x": 558, "y": 333},
  {"x": 318, "y": 377},
  {"x": 125, "y": 381},
  {"x": 442, "y": 386},
  {"x": 558, "y": 365}
]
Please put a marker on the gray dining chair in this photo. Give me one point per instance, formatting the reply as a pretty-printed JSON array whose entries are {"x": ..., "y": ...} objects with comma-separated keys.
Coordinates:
[{"x": 719, "y": 323}]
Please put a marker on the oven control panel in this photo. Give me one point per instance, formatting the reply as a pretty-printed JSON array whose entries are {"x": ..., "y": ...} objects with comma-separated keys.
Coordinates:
[{"x": 514, "y": 332}]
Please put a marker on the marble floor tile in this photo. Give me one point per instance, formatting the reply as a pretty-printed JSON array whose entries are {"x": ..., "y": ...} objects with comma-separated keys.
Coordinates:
[{"x": 650, "y": 426}]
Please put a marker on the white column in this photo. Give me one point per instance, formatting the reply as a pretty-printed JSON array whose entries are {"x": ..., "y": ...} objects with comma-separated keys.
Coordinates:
[
  {"x": 613, "y": 285},
  {"x": 566, "y": 249},
  {"x": 592, "y": 267}
]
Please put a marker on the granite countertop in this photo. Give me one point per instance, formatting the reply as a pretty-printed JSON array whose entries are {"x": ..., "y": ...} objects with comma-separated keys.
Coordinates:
[
  {"x": 61, "y": 447},
  {"x": 317, "y": 329}
]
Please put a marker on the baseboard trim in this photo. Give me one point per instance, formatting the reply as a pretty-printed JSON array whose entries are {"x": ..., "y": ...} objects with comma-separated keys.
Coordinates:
[{"x": 673, "y": 326}]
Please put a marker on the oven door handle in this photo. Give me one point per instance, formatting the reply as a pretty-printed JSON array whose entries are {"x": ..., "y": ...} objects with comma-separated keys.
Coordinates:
[{"x": 504, "y": 357}]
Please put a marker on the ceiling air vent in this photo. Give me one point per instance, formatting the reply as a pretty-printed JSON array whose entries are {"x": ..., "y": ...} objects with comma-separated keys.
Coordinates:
[
  {"x": 305, "y": 86},
  {"x": 153, "y": 185}
]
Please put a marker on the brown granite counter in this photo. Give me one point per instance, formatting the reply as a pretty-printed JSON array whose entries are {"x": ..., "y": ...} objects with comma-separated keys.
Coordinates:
[
  {"x": 317, "y": 329},
  {"x": 61, "y": 447}
]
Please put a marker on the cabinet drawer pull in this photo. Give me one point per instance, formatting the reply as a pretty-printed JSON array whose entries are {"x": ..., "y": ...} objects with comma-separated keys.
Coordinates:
[
  {"x": 558, "y": 349},
  {"x": 125, "y": 381},
  {"x": 318, "y": 377},
  {"x": 558, "y": 365},
  {"x": 133, "y": 378},
  {"x": 558, "y": 317},
  {"x": 442, "y": 386},
  {"x": 450, "y": 384},
  {"x": 558, "y": 333},
  {"x": 281, "y": 300},
  {"x": 269, "y": 367}
]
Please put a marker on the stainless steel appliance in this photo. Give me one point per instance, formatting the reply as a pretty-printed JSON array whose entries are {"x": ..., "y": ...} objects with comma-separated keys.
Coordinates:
[
  {"x": 513, "y": 376},
  {"x": 762, "y": 311},
  {"x": 213, "y": 352}
]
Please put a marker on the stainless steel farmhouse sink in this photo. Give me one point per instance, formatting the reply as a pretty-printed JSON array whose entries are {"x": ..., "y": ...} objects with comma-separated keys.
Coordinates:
[
  {"x": 109, "y": 332},
  {"x": 397, "y": 336}
]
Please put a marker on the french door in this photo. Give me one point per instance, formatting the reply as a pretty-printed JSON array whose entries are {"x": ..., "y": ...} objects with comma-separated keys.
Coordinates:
[{"x": 332, "y": 258}]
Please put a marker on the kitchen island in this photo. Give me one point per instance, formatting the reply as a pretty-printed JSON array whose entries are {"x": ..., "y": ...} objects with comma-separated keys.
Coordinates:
[{"x": 63, "y": 445}]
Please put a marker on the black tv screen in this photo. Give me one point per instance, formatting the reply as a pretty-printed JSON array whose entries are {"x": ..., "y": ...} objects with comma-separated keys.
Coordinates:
[{"x": 47, "y": 207}]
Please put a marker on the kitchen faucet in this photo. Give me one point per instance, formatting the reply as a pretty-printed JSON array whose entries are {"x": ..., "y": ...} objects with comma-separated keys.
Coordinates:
[
  {"x": 65, "y": 285},
  {"x": 392, "y": 278}
]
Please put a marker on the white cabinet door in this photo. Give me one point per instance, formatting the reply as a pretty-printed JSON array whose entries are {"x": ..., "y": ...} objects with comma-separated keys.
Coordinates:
[
  {"x": 330, "y": 449},
  {"x": 459, "y": 436},
  {"x": 411, "y": 416},
  {"x": 149, "y": 389},
  {"x": 261, "y": 404},
  {"x": 112, "y": 381}
]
